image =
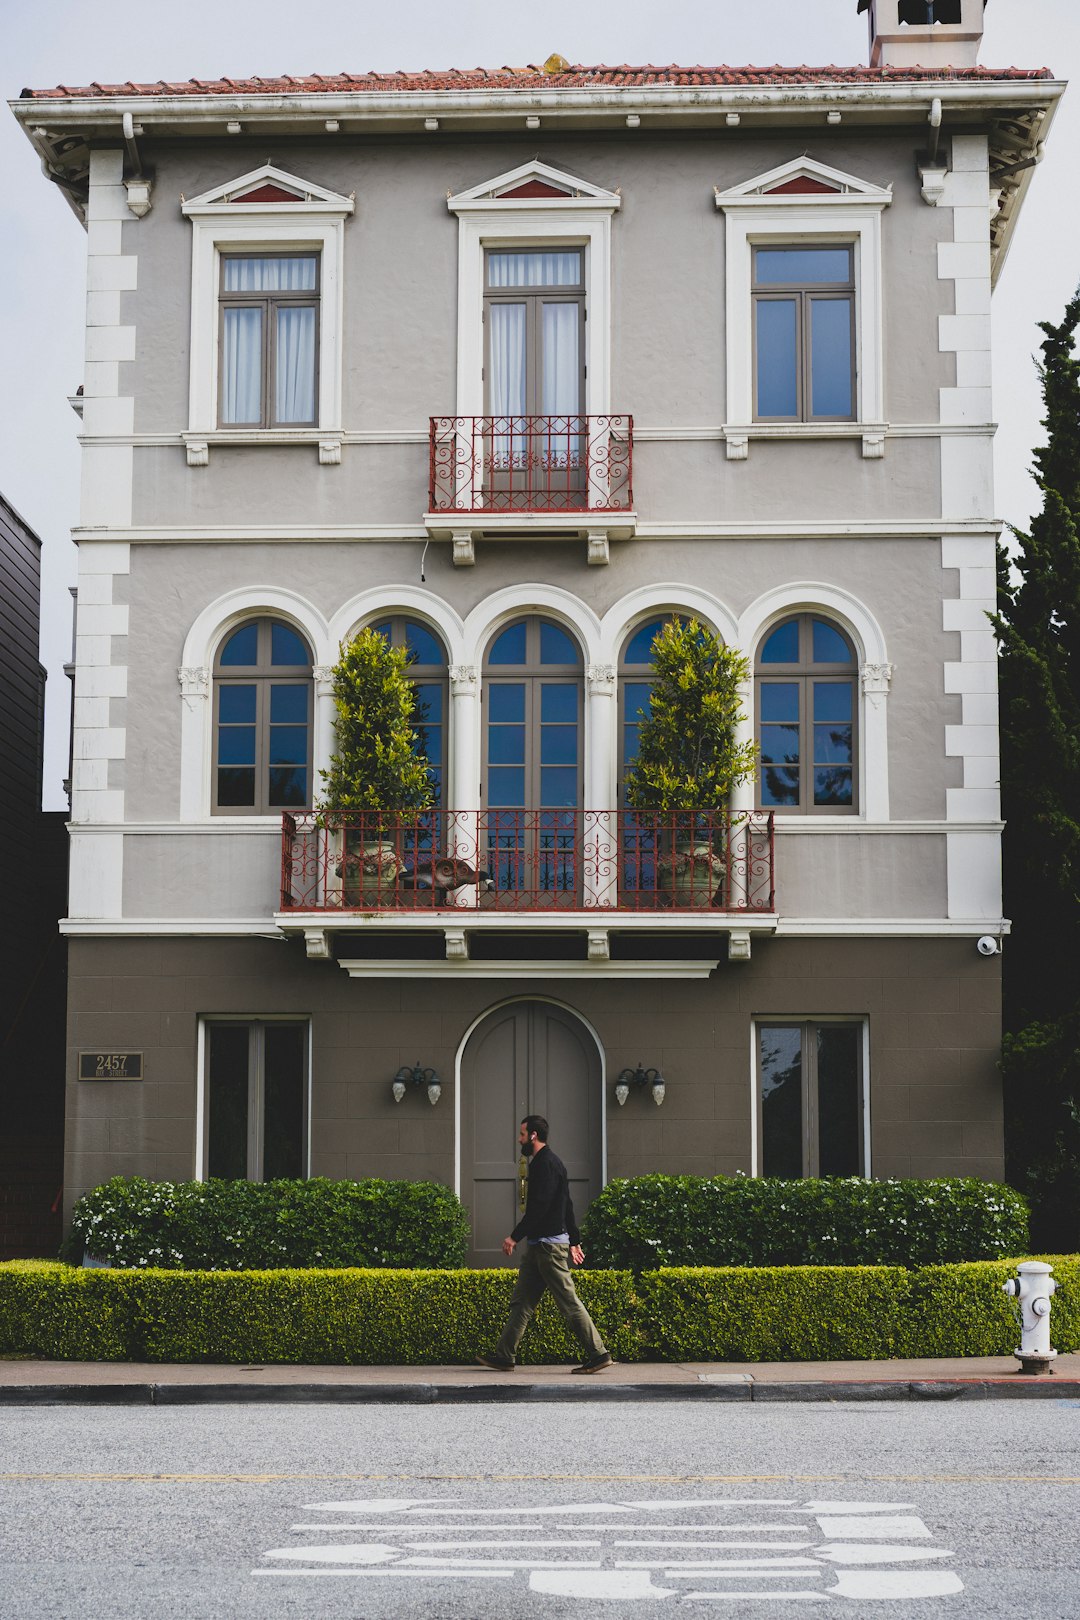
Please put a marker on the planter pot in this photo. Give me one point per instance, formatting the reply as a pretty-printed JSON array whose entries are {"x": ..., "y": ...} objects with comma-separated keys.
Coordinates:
[
  {"x": 691, "y": 875},
  {"x": 370, "y": 870}
]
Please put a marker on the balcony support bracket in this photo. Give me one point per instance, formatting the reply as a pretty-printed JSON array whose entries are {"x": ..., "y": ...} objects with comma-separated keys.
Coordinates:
[
  {"x": 599, "y": 945},
  {"x": 317, "y": 944},
  {"x": 738, "y": 948},
  {"x": 457, "y": 945},
  {"x": 599, "y": 552},
  {"x": 464, "y": 550}
]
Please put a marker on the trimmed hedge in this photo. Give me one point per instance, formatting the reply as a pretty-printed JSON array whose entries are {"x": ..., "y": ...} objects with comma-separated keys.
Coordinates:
[
  {"x": 656, "y": 1220},
  {"x": 426, "y": 1318},
  {"x": 253, "y": 1225}
]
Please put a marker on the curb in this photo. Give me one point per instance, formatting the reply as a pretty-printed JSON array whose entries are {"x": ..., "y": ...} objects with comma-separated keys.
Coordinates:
[{"x": 1015, "y": 1387}]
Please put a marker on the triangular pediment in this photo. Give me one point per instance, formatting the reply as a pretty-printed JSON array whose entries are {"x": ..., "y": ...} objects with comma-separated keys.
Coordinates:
[
  {"x": 803, "y": 180},
  {"x": 269, "y": 187},
  {"x": 533, "y": 185}
]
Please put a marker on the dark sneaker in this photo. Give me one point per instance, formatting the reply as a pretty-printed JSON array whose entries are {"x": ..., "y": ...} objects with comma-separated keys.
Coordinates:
[
  {"x": 493, "y": 1364},
  {"x": 595, "y": 1364}
]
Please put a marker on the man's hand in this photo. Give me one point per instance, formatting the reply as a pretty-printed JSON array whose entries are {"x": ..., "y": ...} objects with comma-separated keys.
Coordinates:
[
  {"x": 577, "y": 1254},
  {"x": 508, "y": 1246}
]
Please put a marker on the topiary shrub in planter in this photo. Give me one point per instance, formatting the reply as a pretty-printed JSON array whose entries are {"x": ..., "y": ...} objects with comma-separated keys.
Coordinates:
[
  {"x": 241, "y": 1225},
  {"x": 657, "y": 1220}
]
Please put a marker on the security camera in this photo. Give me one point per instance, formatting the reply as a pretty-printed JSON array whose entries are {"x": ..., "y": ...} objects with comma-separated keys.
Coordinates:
[{"x": 988, "y": 945}]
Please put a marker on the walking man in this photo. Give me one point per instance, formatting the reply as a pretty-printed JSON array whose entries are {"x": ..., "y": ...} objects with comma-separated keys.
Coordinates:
[{"x": 552, "y": 1241}]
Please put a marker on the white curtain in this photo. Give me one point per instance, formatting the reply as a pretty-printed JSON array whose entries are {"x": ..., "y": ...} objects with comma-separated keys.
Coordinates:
[
  {"x": 270, "y": 275},
  {"x": 507, "y": 388},
  {"x": 241, "y": 392},
  {"x": 559, "y": 269},
  {"x": 242, "y": 382},
  {"x": 561, "y": 390},
  {"x": 294, "y": 383}
]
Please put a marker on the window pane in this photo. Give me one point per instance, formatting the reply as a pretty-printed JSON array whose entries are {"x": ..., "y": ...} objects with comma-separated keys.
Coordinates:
[
  {"x": 802, "y": 266},
  {"x": 253, "y": 275},
  {"x": 782, "y": 647},
  {"x": 558, "y": 702},
  {"x": 241, "y": 366},
  {"x": 832, "y": 700},
  {"x": 236, "y": 745},
  {"x": 780, "y": 700},
  {"x": 556, "y": 647},
  {"x": 288, "y": 787},
  {"x": 236, "y": 704},
  {"x": 558, "y": 785},
  {"x": 530, "y": 269},
  {"x": 506, "y": 385},
  {"x": 506, "y": 745},
  {"x": 832, "y": 785},
  {"x": 830, "y": 645},
  {"x": 294, "y": 382},
  {"x": 429, "y": 699},
  {"x": 830, "y": 357},
  {"x": 777, "y": 368},
  {"x": 506, "y": 785},
  {"x": 839, "y": 1126},
  {"x": 561, "y": 377},
  {"x": 779, "y": 745},
  {"x": 288, "y": 745},
  {"x": 425, "y": 647},
  {"x": 832, "y": 744},
  {"x": 283, "y": 1101},
  {"x": 227, "y": 1101},
  {"x": 506, "y": 702},
  {"x": 639, "y": 649},
  {"x": 779, "y": 786},
  {"x": 509, "y": 648},
  {"x": 780, "y": 1056},
  {"x": 236, "y": 786},
  {"x": 289, "y": 703},
  {"x": 558, "y": 745},
  {"x": 242, "y": 646},
  {"x": 637, "y": 700},
  {"x": 286, "y": 647}
]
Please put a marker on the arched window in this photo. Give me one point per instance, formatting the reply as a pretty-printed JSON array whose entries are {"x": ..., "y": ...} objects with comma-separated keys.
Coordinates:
[
  {"x": 636, "y": 676},
  {"x": 532, "y": 762},
  {"x": 262, "y": 720},
  {"x": 806, "y": 717},
  {"x": 428, "y": 673}
]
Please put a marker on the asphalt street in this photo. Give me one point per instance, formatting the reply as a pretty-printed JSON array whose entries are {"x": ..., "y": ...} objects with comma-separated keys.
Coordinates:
[{"x": 534, "y": 1510}]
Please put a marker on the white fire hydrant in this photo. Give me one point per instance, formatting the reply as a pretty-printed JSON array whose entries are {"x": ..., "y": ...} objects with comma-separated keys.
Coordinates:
[{"x": 1033, "y": 1290}]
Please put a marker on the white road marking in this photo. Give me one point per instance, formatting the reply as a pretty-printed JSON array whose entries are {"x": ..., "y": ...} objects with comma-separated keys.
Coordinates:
[
  {"x": 607, "y": 1584},
  {"x": 356, "y": 1553},
  {"x": 464, "y": 1546},
  {"x": 908, "y": 1583},
  {"x": 504, "y": 1563},
  {"x": 373, "y": 1504},
  {"x": 763, "y": 1566},
  {"x": 857, "y": 1507},
  {"x": 673, "y": 1574},
  {"x": 723, "y": 1502},
  {"x": 698, "y": 1546},
  {"x": 751, "y": 1597},
  {"x": 860, "y": 1529},
  {"x": 395, "y": 1574},
  {"x": 868, "y": 1553},
  {"x": 476, "y": 1513}
]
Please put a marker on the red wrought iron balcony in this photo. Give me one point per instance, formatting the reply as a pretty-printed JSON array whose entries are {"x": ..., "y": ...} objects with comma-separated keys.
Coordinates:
[
  {"x": 537, "y": 861},
  {"x": 563, "y": 474}
]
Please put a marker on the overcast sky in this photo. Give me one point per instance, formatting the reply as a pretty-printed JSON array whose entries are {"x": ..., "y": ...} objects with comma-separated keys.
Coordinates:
[{"x": 42, "y": 273}]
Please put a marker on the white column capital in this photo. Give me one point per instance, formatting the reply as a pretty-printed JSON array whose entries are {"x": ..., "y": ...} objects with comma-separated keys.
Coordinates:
[
  {"x": 601, "y": 679},
  {"x": 194, "y": 681},
  {"x": 876, "y": 678},
  {"x": 463, "y": 680},
  {"x": 323, "y": 676}
]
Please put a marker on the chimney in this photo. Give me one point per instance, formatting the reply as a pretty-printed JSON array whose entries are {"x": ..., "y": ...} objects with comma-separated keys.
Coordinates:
[{"x": 924, "y": 33}]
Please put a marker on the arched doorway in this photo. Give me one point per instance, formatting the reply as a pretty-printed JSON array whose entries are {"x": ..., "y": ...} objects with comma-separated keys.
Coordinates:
[{"x": 529, "y": 1057}]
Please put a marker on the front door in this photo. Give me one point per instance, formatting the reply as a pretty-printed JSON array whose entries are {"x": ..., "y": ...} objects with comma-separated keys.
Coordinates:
[{"x": 526, "y": 1058}]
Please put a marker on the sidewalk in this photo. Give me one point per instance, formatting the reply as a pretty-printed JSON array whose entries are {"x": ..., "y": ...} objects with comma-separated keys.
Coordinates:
[{"x": 54, "y": 1383}]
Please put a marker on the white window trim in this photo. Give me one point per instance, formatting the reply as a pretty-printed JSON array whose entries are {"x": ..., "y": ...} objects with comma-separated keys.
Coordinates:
[
  {"x": 849, "y": 213},
  {"x": 486, "y": 219},
  {"x": 755, "y": 1076},
  {"x": 219, "y": 225}
]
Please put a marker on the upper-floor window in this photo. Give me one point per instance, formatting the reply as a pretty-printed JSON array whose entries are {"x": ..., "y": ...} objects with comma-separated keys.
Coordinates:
[
  {"x": 806, "y": 716},
  {"x": 269, "y": 339},
  {"x": 804, "y": 333},
  {"x": 534, "y": 314},
  {"x": 262, "y": 720},
  {"x": 428, "y": 672}
]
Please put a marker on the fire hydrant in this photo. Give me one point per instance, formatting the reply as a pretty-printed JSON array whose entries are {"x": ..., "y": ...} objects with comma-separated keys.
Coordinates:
[{"x": 1033, "y": 1290}]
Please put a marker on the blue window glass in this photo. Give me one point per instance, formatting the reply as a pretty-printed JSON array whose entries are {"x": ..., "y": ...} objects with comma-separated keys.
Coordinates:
[
  {"x": 780, "y": 700},
  {"x": 506, "y": 745},
  {"x": 288, "y": 786},
  {"x": 286, "y": 646},
  {"x": 558, "y": 702},
  {"x": 236, "y": 705},
  {"x": 558, "y": 785},
  {"x": 556, "y": 647},
  {"x": 802, "y": 266},
  {"x": 780, "y": 1069},
  {"x": 639, "y": 649},
  {"x": 830, "y": 646},
  {"x": 506, "y": 785},
  {"x": 242, "y": 646},
  {"x": 832, "y": 700},
  {"x": 782, "y": 647},
  {"x": 779, "y": 745},
  {"x": 777, "y": 357},
  {"x": 288, "y": 703},
  {"x": 424, "y": 647},
  {"x": 832, "y": 785},
  {"x": 830, "y": 357},
  {"x": 509, "y": 648},
  {"x": 288, "y": 745},
  {"x": 236, "y": 745},
  {"x": 558, "y": 745},
  {"x": 506, "y": 702}
]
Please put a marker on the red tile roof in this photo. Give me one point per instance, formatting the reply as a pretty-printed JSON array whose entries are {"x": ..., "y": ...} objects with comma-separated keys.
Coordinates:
[{"x": 534, "y": 78}]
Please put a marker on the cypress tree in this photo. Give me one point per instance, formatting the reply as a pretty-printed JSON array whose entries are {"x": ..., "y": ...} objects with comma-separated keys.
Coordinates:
[{"x": 1038, "y": 630}]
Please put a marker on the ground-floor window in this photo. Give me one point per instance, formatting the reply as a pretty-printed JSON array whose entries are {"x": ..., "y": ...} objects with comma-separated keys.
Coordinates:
[
  {"x": 254, "y": 1099},
  {"x": 811, "y": 1097}
]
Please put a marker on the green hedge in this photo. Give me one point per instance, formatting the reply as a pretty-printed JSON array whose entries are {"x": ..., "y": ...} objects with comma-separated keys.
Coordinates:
[
  {"x": 253, "y": 1225},
  {"x": 438, "y": 1318},
  {"x": 653, "y": 1221}
]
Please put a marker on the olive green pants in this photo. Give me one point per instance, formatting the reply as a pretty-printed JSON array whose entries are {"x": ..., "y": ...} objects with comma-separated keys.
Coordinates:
[{"x": 547, "y": 1265}]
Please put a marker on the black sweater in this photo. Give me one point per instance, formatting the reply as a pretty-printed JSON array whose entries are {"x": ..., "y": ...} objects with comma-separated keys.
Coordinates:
[{"x": 548, "y": 1208}]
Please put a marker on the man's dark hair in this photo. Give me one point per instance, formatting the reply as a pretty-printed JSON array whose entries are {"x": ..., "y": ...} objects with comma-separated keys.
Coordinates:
[{"x": 537, "y": 1123}]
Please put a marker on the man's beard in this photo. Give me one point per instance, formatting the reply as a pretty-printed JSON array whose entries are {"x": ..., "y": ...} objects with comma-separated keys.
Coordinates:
[{"x": 527, "y": 1148}]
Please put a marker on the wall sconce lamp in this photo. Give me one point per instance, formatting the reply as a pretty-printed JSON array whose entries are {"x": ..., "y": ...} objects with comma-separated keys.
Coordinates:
[
  {"x": 417, "y": 1076},
  {"x": 640, "y": 1077}
]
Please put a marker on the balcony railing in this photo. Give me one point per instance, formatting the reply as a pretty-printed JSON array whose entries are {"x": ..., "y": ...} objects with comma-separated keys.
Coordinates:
[
  {"x": 553, "y": 464},
  {"x": 528, "y": 860}
]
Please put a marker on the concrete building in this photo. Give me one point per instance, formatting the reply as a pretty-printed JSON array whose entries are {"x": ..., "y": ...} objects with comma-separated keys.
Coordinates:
[{"x": 519, "y": 365}]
